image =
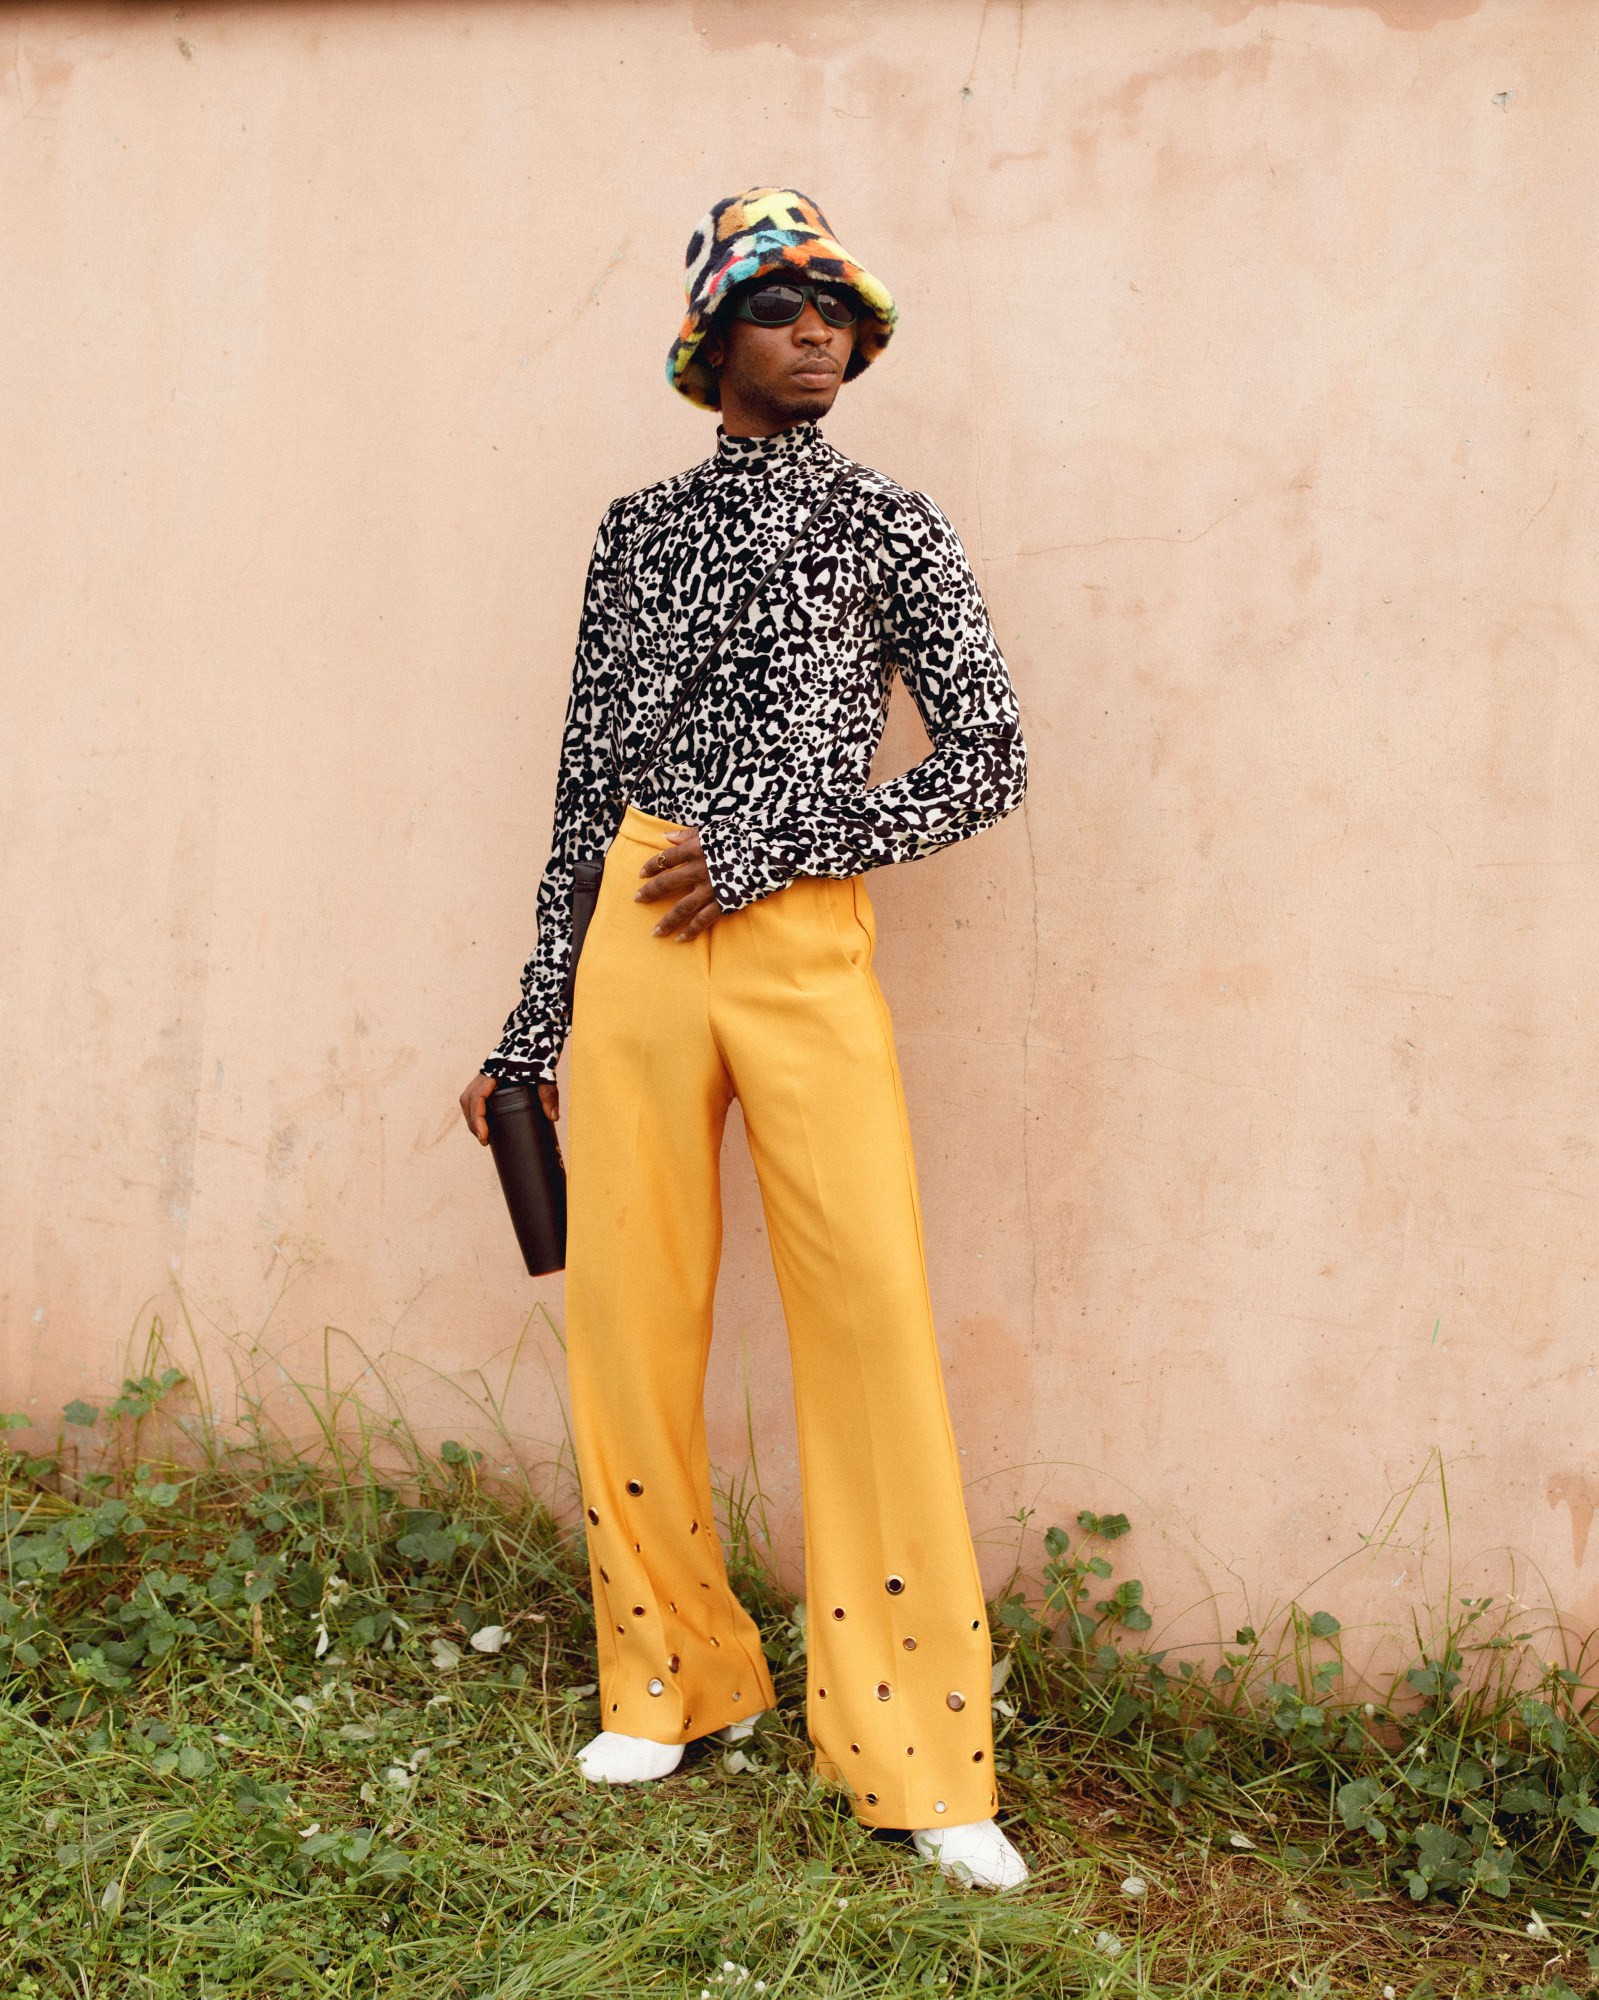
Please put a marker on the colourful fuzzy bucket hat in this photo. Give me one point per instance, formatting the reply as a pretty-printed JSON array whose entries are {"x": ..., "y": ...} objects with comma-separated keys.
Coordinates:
[{"x": 747, "y": 236}]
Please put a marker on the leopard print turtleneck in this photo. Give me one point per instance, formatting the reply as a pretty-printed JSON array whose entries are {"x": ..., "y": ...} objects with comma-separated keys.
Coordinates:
[{"x": 771, "y": 763}]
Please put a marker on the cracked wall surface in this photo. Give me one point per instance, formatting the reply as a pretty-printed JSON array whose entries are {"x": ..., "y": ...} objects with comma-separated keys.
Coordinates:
[{"x": 1250, "y": 346}]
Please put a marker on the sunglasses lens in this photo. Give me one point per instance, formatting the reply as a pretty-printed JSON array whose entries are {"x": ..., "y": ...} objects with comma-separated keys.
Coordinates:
[
  {"x": 775, "y": 305},
  {"x": 781, "y": 305}
]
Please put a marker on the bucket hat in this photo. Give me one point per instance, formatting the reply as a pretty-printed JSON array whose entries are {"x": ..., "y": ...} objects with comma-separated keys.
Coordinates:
[{"x": 747, "y": 236}]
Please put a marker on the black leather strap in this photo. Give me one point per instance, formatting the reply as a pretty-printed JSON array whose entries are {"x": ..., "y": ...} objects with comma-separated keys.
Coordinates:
[
  {"x": 694, "y": 686},
  {"x": 586, "y": 875}
]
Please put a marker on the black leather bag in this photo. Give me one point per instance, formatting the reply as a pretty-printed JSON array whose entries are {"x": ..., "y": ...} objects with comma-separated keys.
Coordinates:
[{"x": 527, "y": 1156}]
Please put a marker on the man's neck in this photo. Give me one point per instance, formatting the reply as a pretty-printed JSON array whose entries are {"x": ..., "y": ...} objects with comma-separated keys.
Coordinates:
[{"x": 739, "y": 419}]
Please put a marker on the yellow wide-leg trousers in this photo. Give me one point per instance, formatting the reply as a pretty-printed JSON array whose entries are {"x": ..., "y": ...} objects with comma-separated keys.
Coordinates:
[{"x": 776, "y": 1005}]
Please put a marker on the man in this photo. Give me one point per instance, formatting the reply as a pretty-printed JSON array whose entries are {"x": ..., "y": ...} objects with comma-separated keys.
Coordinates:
[{"x": 729, "y": 955}]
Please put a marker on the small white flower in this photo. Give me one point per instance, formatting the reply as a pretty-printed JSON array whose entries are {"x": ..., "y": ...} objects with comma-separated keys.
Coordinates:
[
  {"x": 841, "y": 1901},
  {"x": 398, "y": 1776},
  {"x": 444, "y": 1655},
  {"x": 1135, "y": 1885},
  {"x": 307, "y": 1831},
  {"x": 487, "y": 1639},
  {"x": 304, "y": 1701},
  {"x": 760, "y": 1985},
  {"x": 1108, "y": 1943},
  {"x": 1537, "y": 1928},
  {"x": 1239, "y": 1840},
  {"x": 1388, "y": 1993},
  {"x": 323, "y": 1641}
]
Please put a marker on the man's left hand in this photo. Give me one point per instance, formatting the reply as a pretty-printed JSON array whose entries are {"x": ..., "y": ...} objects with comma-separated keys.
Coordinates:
[{"x": 679, "y": 871}]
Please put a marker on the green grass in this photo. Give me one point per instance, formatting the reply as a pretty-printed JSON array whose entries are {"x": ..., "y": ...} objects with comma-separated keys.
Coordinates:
[{"x": 247, "y": 1748}]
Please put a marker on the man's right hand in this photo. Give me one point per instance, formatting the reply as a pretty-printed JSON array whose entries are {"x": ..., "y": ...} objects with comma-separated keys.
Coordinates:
[{"x": 477, "y": 1093}]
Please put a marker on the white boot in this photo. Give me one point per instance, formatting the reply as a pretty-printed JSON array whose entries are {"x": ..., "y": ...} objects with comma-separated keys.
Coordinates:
[
  {"x": 614, "y": 1759},
  {"x": 977, "y": 1855}
]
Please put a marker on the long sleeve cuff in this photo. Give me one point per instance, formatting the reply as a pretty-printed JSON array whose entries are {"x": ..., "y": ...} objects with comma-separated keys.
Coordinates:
[
  {"x": 526, "y": 1055},
  {"x": 503, "y": 1070},
  {"x": 743, "y": 862}
]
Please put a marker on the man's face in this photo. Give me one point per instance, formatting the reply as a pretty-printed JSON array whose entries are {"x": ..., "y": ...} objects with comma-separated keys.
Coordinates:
[{"x": 781, "y": 372}]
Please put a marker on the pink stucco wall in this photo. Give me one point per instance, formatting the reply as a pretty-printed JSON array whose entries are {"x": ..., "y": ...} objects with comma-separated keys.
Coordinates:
[{"x": 1252, "y": 1068}]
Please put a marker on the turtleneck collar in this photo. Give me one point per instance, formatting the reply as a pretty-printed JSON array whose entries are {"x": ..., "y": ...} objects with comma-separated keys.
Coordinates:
[{"x": 768, "y": 454}]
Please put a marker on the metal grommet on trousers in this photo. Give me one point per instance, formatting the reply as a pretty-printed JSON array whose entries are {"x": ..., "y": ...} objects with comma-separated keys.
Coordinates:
[{"x": 777, "y": 1005}]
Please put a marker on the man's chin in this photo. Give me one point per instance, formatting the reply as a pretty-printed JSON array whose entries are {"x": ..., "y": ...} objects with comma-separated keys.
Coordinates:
[{"x": 798, "y": 402}]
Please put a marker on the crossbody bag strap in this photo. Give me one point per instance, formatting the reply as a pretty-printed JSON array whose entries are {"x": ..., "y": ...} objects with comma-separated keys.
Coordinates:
[
  {"x": 587, "y": 875},
  {"x": 694, "y": 686}
]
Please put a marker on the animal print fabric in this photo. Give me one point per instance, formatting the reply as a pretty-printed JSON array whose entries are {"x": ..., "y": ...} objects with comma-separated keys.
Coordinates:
[{"x": 771, "y": 762}]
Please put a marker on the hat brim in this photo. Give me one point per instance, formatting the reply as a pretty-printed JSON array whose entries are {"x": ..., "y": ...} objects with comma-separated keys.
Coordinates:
[{"x": 819, "y": 257}]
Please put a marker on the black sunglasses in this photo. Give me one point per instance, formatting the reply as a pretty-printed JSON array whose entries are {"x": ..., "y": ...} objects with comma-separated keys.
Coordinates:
[{"x": 780, "y": 304}]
